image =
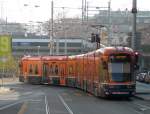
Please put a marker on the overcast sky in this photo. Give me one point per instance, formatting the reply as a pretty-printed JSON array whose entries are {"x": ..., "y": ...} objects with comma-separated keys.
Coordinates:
[{"x": 15, "y": 10}]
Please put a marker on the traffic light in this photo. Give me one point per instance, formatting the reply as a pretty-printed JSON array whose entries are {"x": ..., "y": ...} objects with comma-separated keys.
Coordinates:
[
  {"x": 136, "y": 57},
  {"x": 97, "y": 38},
  {"x": 136, "y": 66}
]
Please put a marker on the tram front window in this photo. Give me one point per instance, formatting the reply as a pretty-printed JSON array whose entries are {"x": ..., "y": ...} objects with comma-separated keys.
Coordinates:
[{"x": 119, "y": 72}]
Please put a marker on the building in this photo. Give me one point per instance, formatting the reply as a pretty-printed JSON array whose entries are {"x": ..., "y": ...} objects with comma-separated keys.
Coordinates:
[
  {"x": 32, "y": 46},
  {"x": 121, "y": 23}
]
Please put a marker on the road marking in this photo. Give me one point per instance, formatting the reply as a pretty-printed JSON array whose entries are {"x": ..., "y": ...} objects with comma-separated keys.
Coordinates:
[
  {"x": 137, "y": 112},
  {"x": 23, "y": 108},
  {"x": 27, "y": 93},
  {"x": 20, "y": 101},
  {"x": 143, "y": 107},
  {"x": 10, "y": 105},
  {"x": 65, "y": 104},
  {"x": 46, "y": 106},
  {"x": 33, "y": 100},
  {"x": 140, "y": 107}
]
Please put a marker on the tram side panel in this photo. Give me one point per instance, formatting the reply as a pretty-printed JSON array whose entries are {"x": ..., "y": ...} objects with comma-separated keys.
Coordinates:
[
  {"x": 62, "y": 69},
  {"x": 34, "y": 71},
  {"x": 23, "y": 70},
  {"x": 102, "y": 73},
  {"x": 54, "y": 70},
  {"x": 71, "y": 71},
  {"x": 79, "y": 72},
  {"x": 51, "y": 72},
  {"x": 92, "y": 77},
  {"x": 84, "y": 82}
]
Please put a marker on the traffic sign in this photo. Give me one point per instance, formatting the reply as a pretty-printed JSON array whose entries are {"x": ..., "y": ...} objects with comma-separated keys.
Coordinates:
[{"x": 5, "y": 45}]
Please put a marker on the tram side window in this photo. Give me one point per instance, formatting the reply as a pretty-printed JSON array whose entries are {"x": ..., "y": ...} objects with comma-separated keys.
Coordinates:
[
  {"x": 51, "y": 69},
  {"x": 36, "y": 69},
  {"x": 70, "y": 70},
  {"x": 25, "y": 68},
  {"x": 45, "y": 67},
  {"x": 62, "y": 71},
  {"x": 56, "y": 69},
  {"x": 30, "y": 69}
]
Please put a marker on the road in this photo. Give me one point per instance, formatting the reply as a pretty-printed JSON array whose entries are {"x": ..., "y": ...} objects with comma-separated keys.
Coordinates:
[{"x": 44, "y": 99}]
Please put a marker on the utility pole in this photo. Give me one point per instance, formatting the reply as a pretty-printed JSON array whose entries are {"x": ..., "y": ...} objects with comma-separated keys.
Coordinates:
[
  {"x": 87, "y": 13},
  {"x": 109, "y": 23},
  {"x": 135, "y": 41},
  {"x": 2, "y": 9},
  {"x": 85, "y": 9},
  {"x": 134, "y": 11},
  {"x": 51, "y": 43},
  {"x": 64, "y": 31},
  {"x": 82, "y": 10}
]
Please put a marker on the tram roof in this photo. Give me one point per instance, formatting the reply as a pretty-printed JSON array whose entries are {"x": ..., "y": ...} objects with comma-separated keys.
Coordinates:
[
  {"x": 54, "y": 57},
  {"x": 109, "y": 50},
  {"x": 31, "y": 58}
]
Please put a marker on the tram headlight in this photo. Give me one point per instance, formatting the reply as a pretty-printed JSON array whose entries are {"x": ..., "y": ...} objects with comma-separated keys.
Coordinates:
[{"x": 107, "y": 93}]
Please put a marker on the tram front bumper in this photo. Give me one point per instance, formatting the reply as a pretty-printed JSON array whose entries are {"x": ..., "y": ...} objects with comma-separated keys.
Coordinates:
[{"x": 121, "y": 90}]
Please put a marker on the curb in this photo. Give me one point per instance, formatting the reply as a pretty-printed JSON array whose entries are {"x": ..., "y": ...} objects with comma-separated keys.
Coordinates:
[
  {"x": 143, "y": 93},
  {"x": 142, "y": 97},
  {"x": 137, "y": 97}
]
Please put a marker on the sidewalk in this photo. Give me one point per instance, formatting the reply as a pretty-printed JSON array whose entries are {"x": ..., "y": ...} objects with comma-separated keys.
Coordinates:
[
  {"x": 8, "y": 81},
  {"x": 4, "y": 82},
  {"x": 142, "y": 91}
]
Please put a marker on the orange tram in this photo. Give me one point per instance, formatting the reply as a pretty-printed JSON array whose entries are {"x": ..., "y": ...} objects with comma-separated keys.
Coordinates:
[{"x": 108, "y": 71}]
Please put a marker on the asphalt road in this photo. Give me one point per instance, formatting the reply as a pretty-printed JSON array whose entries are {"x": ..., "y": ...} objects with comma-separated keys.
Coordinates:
[{"x": 43, "y": 99}]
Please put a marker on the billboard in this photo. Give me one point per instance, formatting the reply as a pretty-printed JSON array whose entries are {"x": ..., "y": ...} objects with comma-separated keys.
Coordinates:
[{"x": 5, "y": 45}]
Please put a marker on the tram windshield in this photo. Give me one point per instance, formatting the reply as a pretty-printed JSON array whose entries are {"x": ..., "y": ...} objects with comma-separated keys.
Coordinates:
[
  {"x": 120, "y": 72},
  {"x": 119, "y": 68}
]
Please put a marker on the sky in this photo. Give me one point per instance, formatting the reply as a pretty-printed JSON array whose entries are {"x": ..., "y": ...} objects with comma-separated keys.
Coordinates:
[{"x": 15, "y": 11}]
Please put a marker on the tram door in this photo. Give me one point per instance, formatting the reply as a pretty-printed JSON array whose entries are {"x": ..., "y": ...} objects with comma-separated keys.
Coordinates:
[
  {"x": 62, "y": 73},
  {"x": 45, "y": 72}
]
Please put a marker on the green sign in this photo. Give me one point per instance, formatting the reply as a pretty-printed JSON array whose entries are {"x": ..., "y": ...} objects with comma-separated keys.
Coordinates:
[{"x": 5, "y": 45}]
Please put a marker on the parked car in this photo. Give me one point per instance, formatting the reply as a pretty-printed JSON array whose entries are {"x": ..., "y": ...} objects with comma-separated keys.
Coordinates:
[
  {"x": 147, "y": 77},
  {"x": 141, "y": 77},
  {"x": 137, "y": 76}
]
